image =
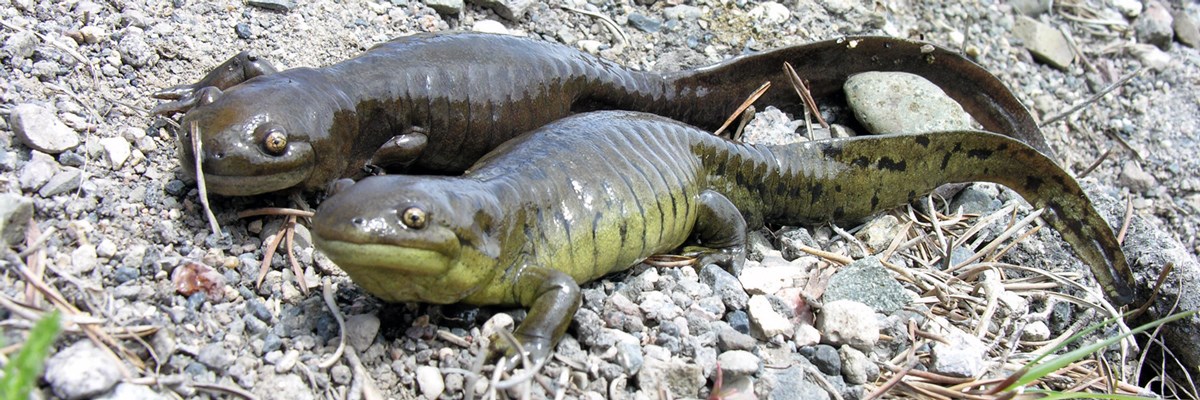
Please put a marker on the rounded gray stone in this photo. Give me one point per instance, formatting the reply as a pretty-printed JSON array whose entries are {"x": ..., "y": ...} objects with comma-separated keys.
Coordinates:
[
  {"x": 82, "y": 371},
  {"x": 899, "y": 102},
  {"x": 41, "y": 130}
]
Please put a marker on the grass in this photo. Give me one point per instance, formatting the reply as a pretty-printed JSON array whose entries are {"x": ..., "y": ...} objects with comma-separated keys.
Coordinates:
[{"x": 22, "y": 371}]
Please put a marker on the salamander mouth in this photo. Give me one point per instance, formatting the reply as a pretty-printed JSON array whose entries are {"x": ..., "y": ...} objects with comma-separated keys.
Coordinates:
[
  {"x": 404, "y": 261},
  {"x": 249, "y": 185}
]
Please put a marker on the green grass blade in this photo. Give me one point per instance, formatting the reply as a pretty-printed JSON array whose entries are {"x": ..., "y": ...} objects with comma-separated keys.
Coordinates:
[
  {"x": 1059, "y": 362},
  {"x": 22, "y": 371}
]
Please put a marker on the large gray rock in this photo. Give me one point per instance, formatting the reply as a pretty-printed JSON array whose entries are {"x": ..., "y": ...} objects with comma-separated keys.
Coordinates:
[
  {"x": 82, "y": 371},
  {"x": 1155, "y": 25},
  {"x": 41, "y": 130},
  {"x": 867, "y": 281},
  {"x": 900, "y": 102}
]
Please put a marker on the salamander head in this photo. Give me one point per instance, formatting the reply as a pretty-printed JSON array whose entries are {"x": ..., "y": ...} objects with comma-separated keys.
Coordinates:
[
  {"x": 257, "y": 137},
  {"x": 409, "y": 238}
]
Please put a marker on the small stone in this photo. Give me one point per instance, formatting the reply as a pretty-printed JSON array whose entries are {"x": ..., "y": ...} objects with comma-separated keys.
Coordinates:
[
  {"x": 857, "y": 368},
  {"x": 65, "y": 181},
  {"x": 738, "y": 363},
  {"x": 107, "y": 248},
  {"x": 15, "y": 213},
  {"x": 275, "y": 5},
  {"x": 765, "y": 321},
  {"x": 498, "y": 322},
  {"x": 134, "y": 49},
  {"x": 900, "y": 102},
  {"x": 879, "y": 232},
  {"x": 793, "y": 383},
  {"x": 285, "y": 387},
  {"x": 825, "y": 358},
  {"x": 978, "y": 198},
  {"x": 1136, "y": 179},
  {"x": 243, "y": 30},
  {"x": 770, "y": 12},
  {"x": 41, "y": 130},
  {"x": 1045, "y": 42},
  {"x": 682, "y": 379},
  {"x": 116, "y": 151},
  {"x": 82, "y": 371},
  {"x": 1128, "y": 8},
  {"x": 683, "y": 12},
  {"x": 590, "y": 46},
  {"x": 964, "y": 356},
  {"x": 730, "y": 339},
  {"x": 838, "y": 6},
  {"x": 848, "y": 322},
  {"x": 20, "y": 45},
  {"x": 728, "y": 288},
  {"x": 215, "y": 356},
  {"x": 1031, "y": 8},
  {"x": 287, "y": 361},
  {"x": 489, "y": 26},
  {"x": 129, "y": 391},
  {"x": 445, "y": 7},
  {"x": 1186, "y": 29},
  {"x": 629, "y": 356},
  {"x": 791, "y": 240},
  {"x": 83, "y": 259},
  {"x": 361, "y": 330},
  {"x": 806, "y": 335},
  {"x": 762, "y": 280},
  {"x": 1155, "y": 26},
  {"x": 92, "y": 34},
  {"x": 644, "y": 23},
  {"x": 738, "y": 320},
  {"x": 513, "y": 10},
  {"x": 429, "y": 379},
  {"x": 866, "y": 281},
  {"x": 1151, "y": 56},
  {"x": 1036, "y": 331}
]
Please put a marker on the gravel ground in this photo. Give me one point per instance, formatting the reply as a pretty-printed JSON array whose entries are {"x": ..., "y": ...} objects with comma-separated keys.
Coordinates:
[{"x": 122, "y": 223}]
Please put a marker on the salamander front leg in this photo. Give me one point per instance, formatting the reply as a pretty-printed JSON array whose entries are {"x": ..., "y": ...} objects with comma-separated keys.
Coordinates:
[
  {"x": 238, "y": 69},
  {"x": 401, "y": 150},
  {"x": 552, "y": 298},
  {"x": 719, "y": 236}
]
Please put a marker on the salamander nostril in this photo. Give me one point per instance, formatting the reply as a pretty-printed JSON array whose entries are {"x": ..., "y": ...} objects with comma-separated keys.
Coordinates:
[{"x": 358, "y": 221}]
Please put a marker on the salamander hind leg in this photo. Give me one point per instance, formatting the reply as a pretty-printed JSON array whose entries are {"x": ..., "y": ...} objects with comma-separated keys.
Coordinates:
[
  {"x": 552, "y": 298},
  {"x": 719, "y": 236}
]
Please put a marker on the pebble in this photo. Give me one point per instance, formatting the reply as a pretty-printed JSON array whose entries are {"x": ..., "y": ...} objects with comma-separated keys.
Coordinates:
[
  {"x": 848, "y": 322},
  {"x": 792, "y": 383},
  {"x": 15, "y": 213},
  {"x": 770, "y": 12},
  {"x": 430, "y": 380},
  {"x": 629, "y": 355},
  {"x": 683, "y": 12},
  {"x": 20, "y": 45},
  {"x": 215, "y": 356},
  {"x": 738, "y": 363},
  {"x": 900, "y": 102},
  {"x": 1128, "y": 8},
  {"x": 64, "y": 181},
  {"x": 765, "y": 321},
  {"x": 825, "y": 358},
  {"x": 81, "y": 370},
  {"x": 134, "y": 49},
  {"x": 287, "y": 361},
  {"x": 1186, "y": 29},
  {"x": 866, "y": 281},
  {"x": 879, "y": 233},
  {"x": 790, "y": 241},
  {"x": 738, "y": 320},
  {"x": 644, "y": 23},
  {"x": 243, "y": 30},
  {"x": 1047, "y": 43},
  {"x": 489, "y": 26},
  {"x": 728, "y": 288},
  {"x": 857, "y": 368},
  {"x": 284, "y": 387},
  {"x": 1036, "y": 331},
  {"x": 806, "y": 335},
  {"x": 1031, "y": 8},
  {"x": 1151, "y": 56},
  {"x": 1155, "y": 26},
  {"x": 838, "y": 6},
  {"x": 772, "y": 127},
  {"x": 83, "y": 259},
  {"x": 978, "y": 198},
  {"x": 41, "y": 130},
  {"x": 1136, "y": 179},
  {"x": 730, "y": 339},
  {"x": 446, "y": 7},
  {"x": 129, "y": 391},
  {"x": 964, "y": 356},
  {"x": 275, "y": 5},
  {"x": 513, "y": 10},
  {"x": 361, "y": 330},
  {"x": 116, "y": 151},
  {"x": 682, "y": 379}
]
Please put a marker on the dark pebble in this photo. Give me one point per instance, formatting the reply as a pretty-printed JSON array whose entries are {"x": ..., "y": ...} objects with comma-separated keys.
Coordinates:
[
  {"x": 71, "y": 159},
  {"x": 644, "y": 23},
  {"x": 222, "y": 241},
  {"x": 243, "y": 30},
  {"x": 257, "y": 308},
  {"x": 196, "y": 300},
  {"x": 125, "y": 274},
  {"x": 176, "y": 187},
  {"x": 825, "y": 357},
  {"x": 739, "y": 321},
  {"x": 255, "y": 325},
  {"x": 195, "y": 369},
  {"x": 327, "y": 327},
  {"x": 271, "y": 342},
  {"x": 277, "y": 5}
]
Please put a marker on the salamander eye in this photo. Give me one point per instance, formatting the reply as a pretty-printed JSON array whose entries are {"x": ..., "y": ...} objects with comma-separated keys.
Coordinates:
[
  {"x": 413, "y": 217},
  {"x": 275, "y": 142}
]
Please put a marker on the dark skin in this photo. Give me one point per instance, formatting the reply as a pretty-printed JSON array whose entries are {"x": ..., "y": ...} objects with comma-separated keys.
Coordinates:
[
  {"x": 437, "y": 102},
  {"x": 595, "y": 193}
]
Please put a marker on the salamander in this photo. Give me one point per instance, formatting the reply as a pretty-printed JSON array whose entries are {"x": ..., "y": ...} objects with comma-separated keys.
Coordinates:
[
  {"x": 598, "y": 192},
  {"x": 435, "y": 103}
]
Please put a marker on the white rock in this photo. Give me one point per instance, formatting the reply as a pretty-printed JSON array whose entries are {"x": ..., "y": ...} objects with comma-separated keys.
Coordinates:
[
  {"x": 82, "y": 371},
  {"x": 107, "y": 248},
  {"x": 129, "y": 391},
  {"x": 879, "y": 233},
  {"x": 430, "y": 380},
  {"x": 770, "y": 12},
  {"x": 490, "y": 26},
  {"x": 590, "y": 46},
  {"x": 964, "y": 356},
  {"x": 735, "y": 363},
  {"x": 1128, "y": 8},
  {"x": 806, "y": 335},
  {"x": 764, "y": 320},
  {"x": 1151, "y": 56},
  {"x": 848, "y": 322},
  {"x": 38, "y": 128},
  {"x": 857, "y": 368},
  {"x": 116, "y": 151},
  {"x": 83, "y": 259},
  {"x": 900, "y": 102},
  {"x": 1036, "y": 331}
]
